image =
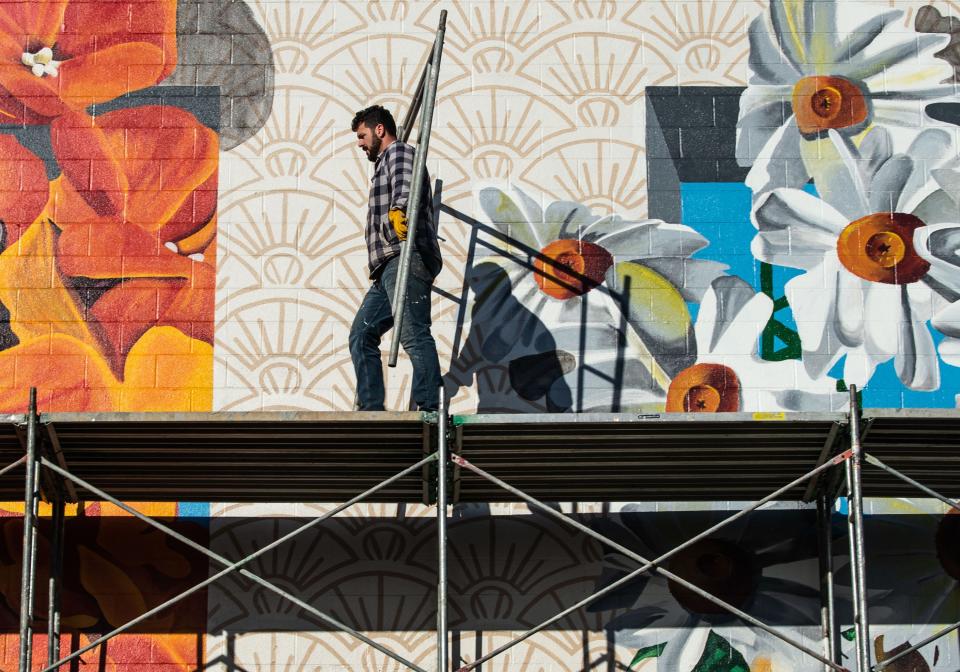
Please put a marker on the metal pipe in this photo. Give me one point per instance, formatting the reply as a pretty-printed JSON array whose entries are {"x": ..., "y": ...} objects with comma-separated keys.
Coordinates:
[
  {"x": 56, "y": 576},
  {"x": 416, "y": 189},
  {"x": 457, "y": 459},
  {"x": 952, "y": 503},
  {"x": 858, "y": 574},
  {"x": 442, "y": 454},
  {"x": 13, "y": 465},
  {"x": 29, "y": 568},
  {"x": 935, "y": 636},
  {"x": 828, "y": 616},
  {"x": 411, "y": 115},
  {"x": 233, "y": 566}
]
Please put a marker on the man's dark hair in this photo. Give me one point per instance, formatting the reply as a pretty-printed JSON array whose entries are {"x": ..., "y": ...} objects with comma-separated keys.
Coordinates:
[{"x": 373, "y": 115}]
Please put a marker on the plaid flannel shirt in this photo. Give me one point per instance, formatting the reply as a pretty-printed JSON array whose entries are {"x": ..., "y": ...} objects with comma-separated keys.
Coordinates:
[{"x": 389, "y": 190}]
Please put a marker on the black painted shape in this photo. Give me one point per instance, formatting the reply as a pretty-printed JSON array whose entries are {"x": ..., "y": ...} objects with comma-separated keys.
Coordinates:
[{"x": 945, "y": 112}]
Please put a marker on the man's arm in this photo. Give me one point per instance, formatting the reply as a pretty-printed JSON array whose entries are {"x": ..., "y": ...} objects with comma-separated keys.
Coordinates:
[{"x": 400, "y": 172}]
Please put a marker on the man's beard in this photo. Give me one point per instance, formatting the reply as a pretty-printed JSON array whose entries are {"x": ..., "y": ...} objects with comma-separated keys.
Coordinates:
[{"x": 374, "y": 152}]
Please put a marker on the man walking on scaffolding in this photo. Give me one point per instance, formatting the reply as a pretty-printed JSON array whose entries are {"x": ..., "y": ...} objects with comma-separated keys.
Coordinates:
[{"x": 386, "y": 227}]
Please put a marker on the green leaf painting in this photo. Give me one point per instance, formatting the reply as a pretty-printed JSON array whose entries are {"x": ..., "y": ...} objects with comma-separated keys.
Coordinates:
[
  {"x": 719, "y": 656},
  {"x": 648, "y": 652}
]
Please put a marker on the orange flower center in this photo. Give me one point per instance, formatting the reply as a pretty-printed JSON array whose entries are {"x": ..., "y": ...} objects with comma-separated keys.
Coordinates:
[
  {"x": 704, "y": 388},
  {"x": 823, "y": 102},
  {"x": 568, "y": 268},
  {"x": 720, "y": 567},
  {"x": 879, "y": 248}
]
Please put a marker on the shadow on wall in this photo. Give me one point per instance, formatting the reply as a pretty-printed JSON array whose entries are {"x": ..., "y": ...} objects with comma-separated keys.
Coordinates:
[
  {"x": 506, "y": 574},
  {"x": 558, "y": 330},
  {"x": 498, "y": 325}
]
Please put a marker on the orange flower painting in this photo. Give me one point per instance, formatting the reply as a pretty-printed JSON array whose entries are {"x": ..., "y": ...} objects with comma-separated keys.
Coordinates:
[
  {"x": 59, "y": 55},
  {"x": 108, "y": 261}
]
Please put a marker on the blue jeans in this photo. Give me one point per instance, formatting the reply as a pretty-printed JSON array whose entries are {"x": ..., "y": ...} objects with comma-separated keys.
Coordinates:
[{"x": 375, "y": 317}]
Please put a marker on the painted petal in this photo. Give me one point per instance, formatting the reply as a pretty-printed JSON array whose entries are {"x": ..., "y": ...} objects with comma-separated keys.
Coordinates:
[
  {"x": 69, "y": 374},
  {"x": 38, "y": 21},
  {"x": 40, "y": 95},
  {"x": 803, "y": 400},
  {"x": 779, "y": 163},
  {"x": 171, "y": 170},
  {"x": 532, "y": 209},
  {"x": 888, "y": 184},
  {"x": 96, "y": 27},
  {"x": 950, "y": 353},
  {"x": 934, "y": 147},
  {"x": 842, "y": 175},
  {"x": 795, "y": 228},
  {"x": 916, "y": 358},
  {"x": 731, "y": 317},
  {"x": 24, "y": 188},
  {"x": 110, "y": 250},
  {"x": 566, "y": 219},
  {"x": 95, "y": 184},
  {"x": 892, "y": 52},
  {"x": 851, "y": 295},
  {"x": 903, "y": 114},
  {"x": 939, "y": 245},
  {"x": 661, "y": 331},
  {"x": 691, "y": 277},
  {"x": 766, "y": 60},
  {"x": 814, "y": 311},
  {"x": 48, "y": 306},
  {"x": 947, "y": 321},
  {"x": 790, "y": 20},
  {"x": 126, "y": 312},
  {"x": 763, "y": 109},
  {"x": 860, "y": 39},
  {"x": 162, "y": 177},
  {"x": 509, "y": 220},
  {"x": 93, "y": 78},
  {"x": 860, "y": 365},
  {"x": 883, "y": 310},
  {"x": 650, "y": 238}
]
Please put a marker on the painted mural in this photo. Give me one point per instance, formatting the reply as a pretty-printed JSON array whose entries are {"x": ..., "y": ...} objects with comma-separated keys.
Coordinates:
[{"x": 648, "y": 206}]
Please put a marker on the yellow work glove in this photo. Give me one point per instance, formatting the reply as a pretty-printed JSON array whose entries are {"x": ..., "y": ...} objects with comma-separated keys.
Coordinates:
[{"x": 398, "y": 218}]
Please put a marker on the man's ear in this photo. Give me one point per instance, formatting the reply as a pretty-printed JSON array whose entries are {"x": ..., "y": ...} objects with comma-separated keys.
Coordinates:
[{"x": 380, "y": 131}]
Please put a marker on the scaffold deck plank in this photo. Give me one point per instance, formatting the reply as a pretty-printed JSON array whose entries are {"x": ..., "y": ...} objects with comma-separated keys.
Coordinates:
[{"x": 326, "y": 457}]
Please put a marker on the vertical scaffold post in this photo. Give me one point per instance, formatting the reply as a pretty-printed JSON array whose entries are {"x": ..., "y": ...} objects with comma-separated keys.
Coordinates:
[
  {"x": 416, "y": 189},
  {"x": 828, "y": 617},
  {"x": 56, "y": 574},
  {"x": 29, "y": 568},
  {"x": 858, "y": 574},
  {"x": 442, "y": 534}
]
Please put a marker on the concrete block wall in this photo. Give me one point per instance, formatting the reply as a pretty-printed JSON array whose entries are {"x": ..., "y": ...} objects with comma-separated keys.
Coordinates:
[{"x": 183, "y": 207}]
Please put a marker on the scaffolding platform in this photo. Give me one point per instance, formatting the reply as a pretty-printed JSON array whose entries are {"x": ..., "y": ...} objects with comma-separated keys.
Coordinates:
[
  {"x": 350, "y": 457},
  {"x": 230, "y": 457},
  {"x": 599, "y": 457}
]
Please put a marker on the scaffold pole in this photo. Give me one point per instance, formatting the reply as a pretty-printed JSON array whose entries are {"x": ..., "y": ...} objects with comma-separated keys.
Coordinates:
[
  {"x": 29, "y": 567},
  {"x": 442, "y": 428},
  {"x": 858, "y": 574},
  {"x": 58, "y": 520},
  {"x": 828, "y": 617}
]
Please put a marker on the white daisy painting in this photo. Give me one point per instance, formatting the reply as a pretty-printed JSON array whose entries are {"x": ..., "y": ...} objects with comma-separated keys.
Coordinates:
[{"x": 835, "y": 66}]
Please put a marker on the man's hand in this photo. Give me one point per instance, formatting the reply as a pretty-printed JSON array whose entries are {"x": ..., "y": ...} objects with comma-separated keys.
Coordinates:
[{"x": 398, "y": 218}]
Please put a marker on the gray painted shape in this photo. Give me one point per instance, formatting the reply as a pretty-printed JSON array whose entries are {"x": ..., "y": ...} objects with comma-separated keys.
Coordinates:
[{"x": 221, "y": 44}]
